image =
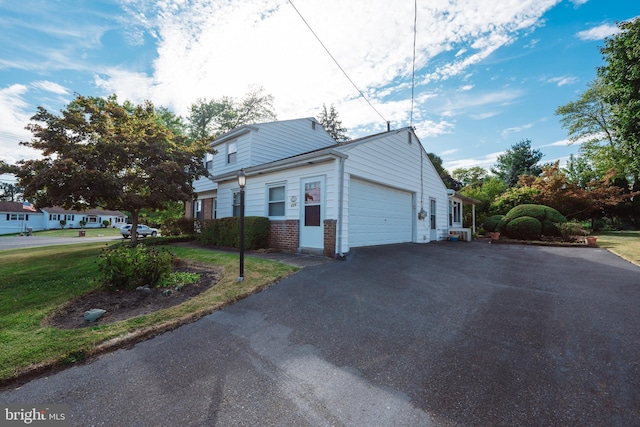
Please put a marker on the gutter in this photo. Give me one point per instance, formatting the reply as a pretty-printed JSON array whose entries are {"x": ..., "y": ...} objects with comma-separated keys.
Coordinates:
[
  {"x": 288, "y": 163},
  {"x": 340, "y": 204}
]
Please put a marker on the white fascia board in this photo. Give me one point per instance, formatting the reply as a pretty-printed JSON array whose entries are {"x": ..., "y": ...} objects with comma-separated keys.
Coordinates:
[
  {"x": 234, "y": 134},
  {"x": 288, "y": 163}
]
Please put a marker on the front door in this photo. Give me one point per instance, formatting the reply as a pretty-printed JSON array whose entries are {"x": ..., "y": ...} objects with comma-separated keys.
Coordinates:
[{"x": 312, "y": 213}]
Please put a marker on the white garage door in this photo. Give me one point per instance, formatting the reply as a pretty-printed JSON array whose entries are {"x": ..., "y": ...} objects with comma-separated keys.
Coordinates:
[{"x": 378, "y": 215}]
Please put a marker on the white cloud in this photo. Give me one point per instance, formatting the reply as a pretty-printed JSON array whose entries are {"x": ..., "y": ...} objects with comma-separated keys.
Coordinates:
[
  {"x": 563, "y": 80},
  {"x": 13, "y": 110},
  {"x": 212, "y": 49},
  {"x": 50, "y": 87},
  {"x": 598, "y": 33},
  {"x": 449, "y": 152},
  {"x": 516, "y": 129},
  {"x": 486, "y": 162}
]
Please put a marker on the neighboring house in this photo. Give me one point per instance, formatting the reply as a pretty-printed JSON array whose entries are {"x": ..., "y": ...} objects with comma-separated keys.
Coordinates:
[
  {"x": 15, "y": 217},
  {"x": 93, "y": 218},
  {"x": 322, "y": 196}
]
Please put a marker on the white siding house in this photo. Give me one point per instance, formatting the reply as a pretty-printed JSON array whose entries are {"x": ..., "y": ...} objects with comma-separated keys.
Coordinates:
[
  {"x": 327, "y": 197},
  {"x": 15, "y": 218}
]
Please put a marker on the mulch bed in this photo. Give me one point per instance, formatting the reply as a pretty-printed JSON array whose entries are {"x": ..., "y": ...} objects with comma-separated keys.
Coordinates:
[{"x": 122, "y": 305}]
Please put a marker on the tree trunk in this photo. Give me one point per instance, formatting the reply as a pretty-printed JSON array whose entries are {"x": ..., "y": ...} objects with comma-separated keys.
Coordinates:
[{"x": 135, "y": 214}]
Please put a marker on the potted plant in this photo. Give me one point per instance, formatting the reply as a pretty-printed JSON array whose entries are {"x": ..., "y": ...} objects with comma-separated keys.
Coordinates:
[{"x": 591, "y": 240}]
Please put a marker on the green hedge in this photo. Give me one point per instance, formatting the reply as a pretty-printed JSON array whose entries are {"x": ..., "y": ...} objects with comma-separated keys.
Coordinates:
[
  {"x": 539, "y": 212},
  {"x": 226, "y": 232},
  {"x": 178, "y": 226},
  {"x": 525, "y": 228},
  {"x": 490, "y": 224}
]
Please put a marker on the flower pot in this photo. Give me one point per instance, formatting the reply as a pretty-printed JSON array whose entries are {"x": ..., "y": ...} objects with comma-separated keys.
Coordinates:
[
  {"x": 495, "y": 235},
  {"x": 591, "y": 240}
]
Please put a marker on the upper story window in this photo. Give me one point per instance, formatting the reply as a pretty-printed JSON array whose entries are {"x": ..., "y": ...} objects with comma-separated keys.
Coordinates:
[
  {"x": 276, "y": 194},
  {"x": 232, "y": 152},
  {"x": 208, "y": 162}
]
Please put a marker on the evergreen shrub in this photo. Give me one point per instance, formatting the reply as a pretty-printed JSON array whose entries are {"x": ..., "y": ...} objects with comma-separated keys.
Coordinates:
[
  {"x": 225, "y": 232},
  {"x": 524, "y": 228}
]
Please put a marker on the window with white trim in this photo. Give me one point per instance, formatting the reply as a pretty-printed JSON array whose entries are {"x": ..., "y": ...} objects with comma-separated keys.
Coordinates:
[
  {"x": 17, "y": 217},
  {"x": 275, "y": 200},
  {"x": 214, "y": 208},
  {"x": 232, "y": 152}
]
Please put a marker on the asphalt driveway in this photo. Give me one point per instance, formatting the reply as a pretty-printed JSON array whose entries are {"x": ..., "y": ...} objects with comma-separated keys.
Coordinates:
[{"x": 403, "y": 335}]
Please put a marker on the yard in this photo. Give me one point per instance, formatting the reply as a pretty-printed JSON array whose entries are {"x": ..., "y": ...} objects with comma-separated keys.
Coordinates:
[
  {"x": 625, "y": 244},
  {"x": 36, "y": 281}
]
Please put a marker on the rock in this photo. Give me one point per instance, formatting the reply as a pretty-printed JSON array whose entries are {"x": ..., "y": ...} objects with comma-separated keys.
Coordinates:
[
  {"x": 143, "y": 291},
  {"x": 94, "y": 314}
]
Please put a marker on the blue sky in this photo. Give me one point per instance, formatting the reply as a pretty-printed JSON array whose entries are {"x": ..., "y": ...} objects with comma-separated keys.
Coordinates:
[{"x": 488, "y": 73}]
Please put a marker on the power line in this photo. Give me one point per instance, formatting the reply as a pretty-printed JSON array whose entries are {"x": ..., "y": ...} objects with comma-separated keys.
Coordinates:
[
  {"x": 413, "y": 70},
  {"x": 336, "y": 62}
]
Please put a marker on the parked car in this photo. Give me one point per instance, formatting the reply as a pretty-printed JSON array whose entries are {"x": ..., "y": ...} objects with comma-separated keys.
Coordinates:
[{"x": 142, "y": 231}]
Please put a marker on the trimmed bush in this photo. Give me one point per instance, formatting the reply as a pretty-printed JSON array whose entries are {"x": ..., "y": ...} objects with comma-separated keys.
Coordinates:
[
  {"x": 178, "y": 227},
  {"x": 126, "y": 267},
  {"x": 539, "y": 212},
  {"x": 569, "y": 230},
  {"x": 226, "y": 232},
  {"x": 490, "y": 224},
  {"x": 524, "y": 228},
  {"x": 550, "y": 229}
]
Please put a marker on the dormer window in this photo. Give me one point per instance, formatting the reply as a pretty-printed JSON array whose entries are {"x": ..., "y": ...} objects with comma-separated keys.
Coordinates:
[{"x": 232, "y": 152}]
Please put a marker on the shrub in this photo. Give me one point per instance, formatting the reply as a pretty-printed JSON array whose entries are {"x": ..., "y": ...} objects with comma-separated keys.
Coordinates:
[
  {"x": 178, "y": 227},
  {"x": 106, "y": 223},
  {"x": 525, "y": 228},
  {"x": 569, "y": 230},
  {"x": 126, "y": 267},
  {"x": 226, "y": 232},
  {"x": 550, "y": 229},
  {"x": 539, "y": 212},
  {"x": 490, "y": 224}
]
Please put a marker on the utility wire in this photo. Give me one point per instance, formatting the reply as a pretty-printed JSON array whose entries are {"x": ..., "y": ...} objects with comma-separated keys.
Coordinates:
[
  {"x": 334, "y": 60},
  {"x": 413, "y": 70}
]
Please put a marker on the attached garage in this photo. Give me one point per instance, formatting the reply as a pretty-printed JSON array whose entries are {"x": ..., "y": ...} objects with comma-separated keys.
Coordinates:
[{"x": 378, "y": 214}]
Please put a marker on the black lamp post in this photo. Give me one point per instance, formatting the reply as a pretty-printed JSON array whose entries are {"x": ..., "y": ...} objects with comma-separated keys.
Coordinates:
[{"x": 242, "y": 181}]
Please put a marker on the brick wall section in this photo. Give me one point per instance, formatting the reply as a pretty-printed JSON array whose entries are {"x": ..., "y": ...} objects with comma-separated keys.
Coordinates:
[
  {"x": 207, "y": 208},
  {"x": 284, "y": 235},
  {"x": 330, "y": 237},
  {"x": 188, "y": 209}
]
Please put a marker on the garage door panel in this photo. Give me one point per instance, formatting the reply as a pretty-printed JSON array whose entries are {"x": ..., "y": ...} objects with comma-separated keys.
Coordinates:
[{"x": 378, "y": 214}]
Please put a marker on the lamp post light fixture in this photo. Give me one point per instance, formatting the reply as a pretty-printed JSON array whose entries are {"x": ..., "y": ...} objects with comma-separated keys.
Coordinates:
[{"x": 242, "y": 181}]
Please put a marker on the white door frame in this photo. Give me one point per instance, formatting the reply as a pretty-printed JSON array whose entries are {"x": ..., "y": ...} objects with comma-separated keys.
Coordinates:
[{"x": 312, "y": 208}]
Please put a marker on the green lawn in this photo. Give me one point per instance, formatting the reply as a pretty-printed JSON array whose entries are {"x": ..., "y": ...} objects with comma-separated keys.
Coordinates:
[
  {"x": 624, "y": 243},
  {"x": 35, "y": 281},
  {"x": 73, "y": 232}
]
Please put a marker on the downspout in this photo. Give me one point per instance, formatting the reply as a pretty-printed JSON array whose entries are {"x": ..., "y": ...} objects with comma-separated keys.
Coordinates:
[{"x": 340, "y": 205}]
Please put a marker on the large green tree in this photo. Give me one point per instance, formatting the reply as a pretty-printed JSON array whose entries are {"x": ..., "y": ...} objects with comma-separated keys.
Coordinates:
[
  {"x": 518, "y": 160},
  {"x": 332, "y": 124},
  {"x": 621, "y": 75},
  {"x": 209, "y": 119},
  {"x": 473, "y": 176},
  {"x": 589, "y": 121},
  {"x": 100, "y": 153}
]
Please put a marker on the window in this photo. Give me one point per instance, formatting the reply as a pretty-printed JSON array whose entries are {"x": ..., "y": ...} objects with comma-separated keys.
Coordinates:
[
  {"x": 232, "y": 151},
  {"x": 197, "y": 209},
  {"x": 236, "y": 203},
  {"x": 17, "y": 217},
  {"x": 457, "y": 212},
  {"x": 54, "y": 217},
  {"x": 275, "y": 202},
  {"x": 214, "y": 208},
  {"x": 312, "y": 202},
  {"x": 70, "y": 217},
  {"x": 432, "y": 206}
]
